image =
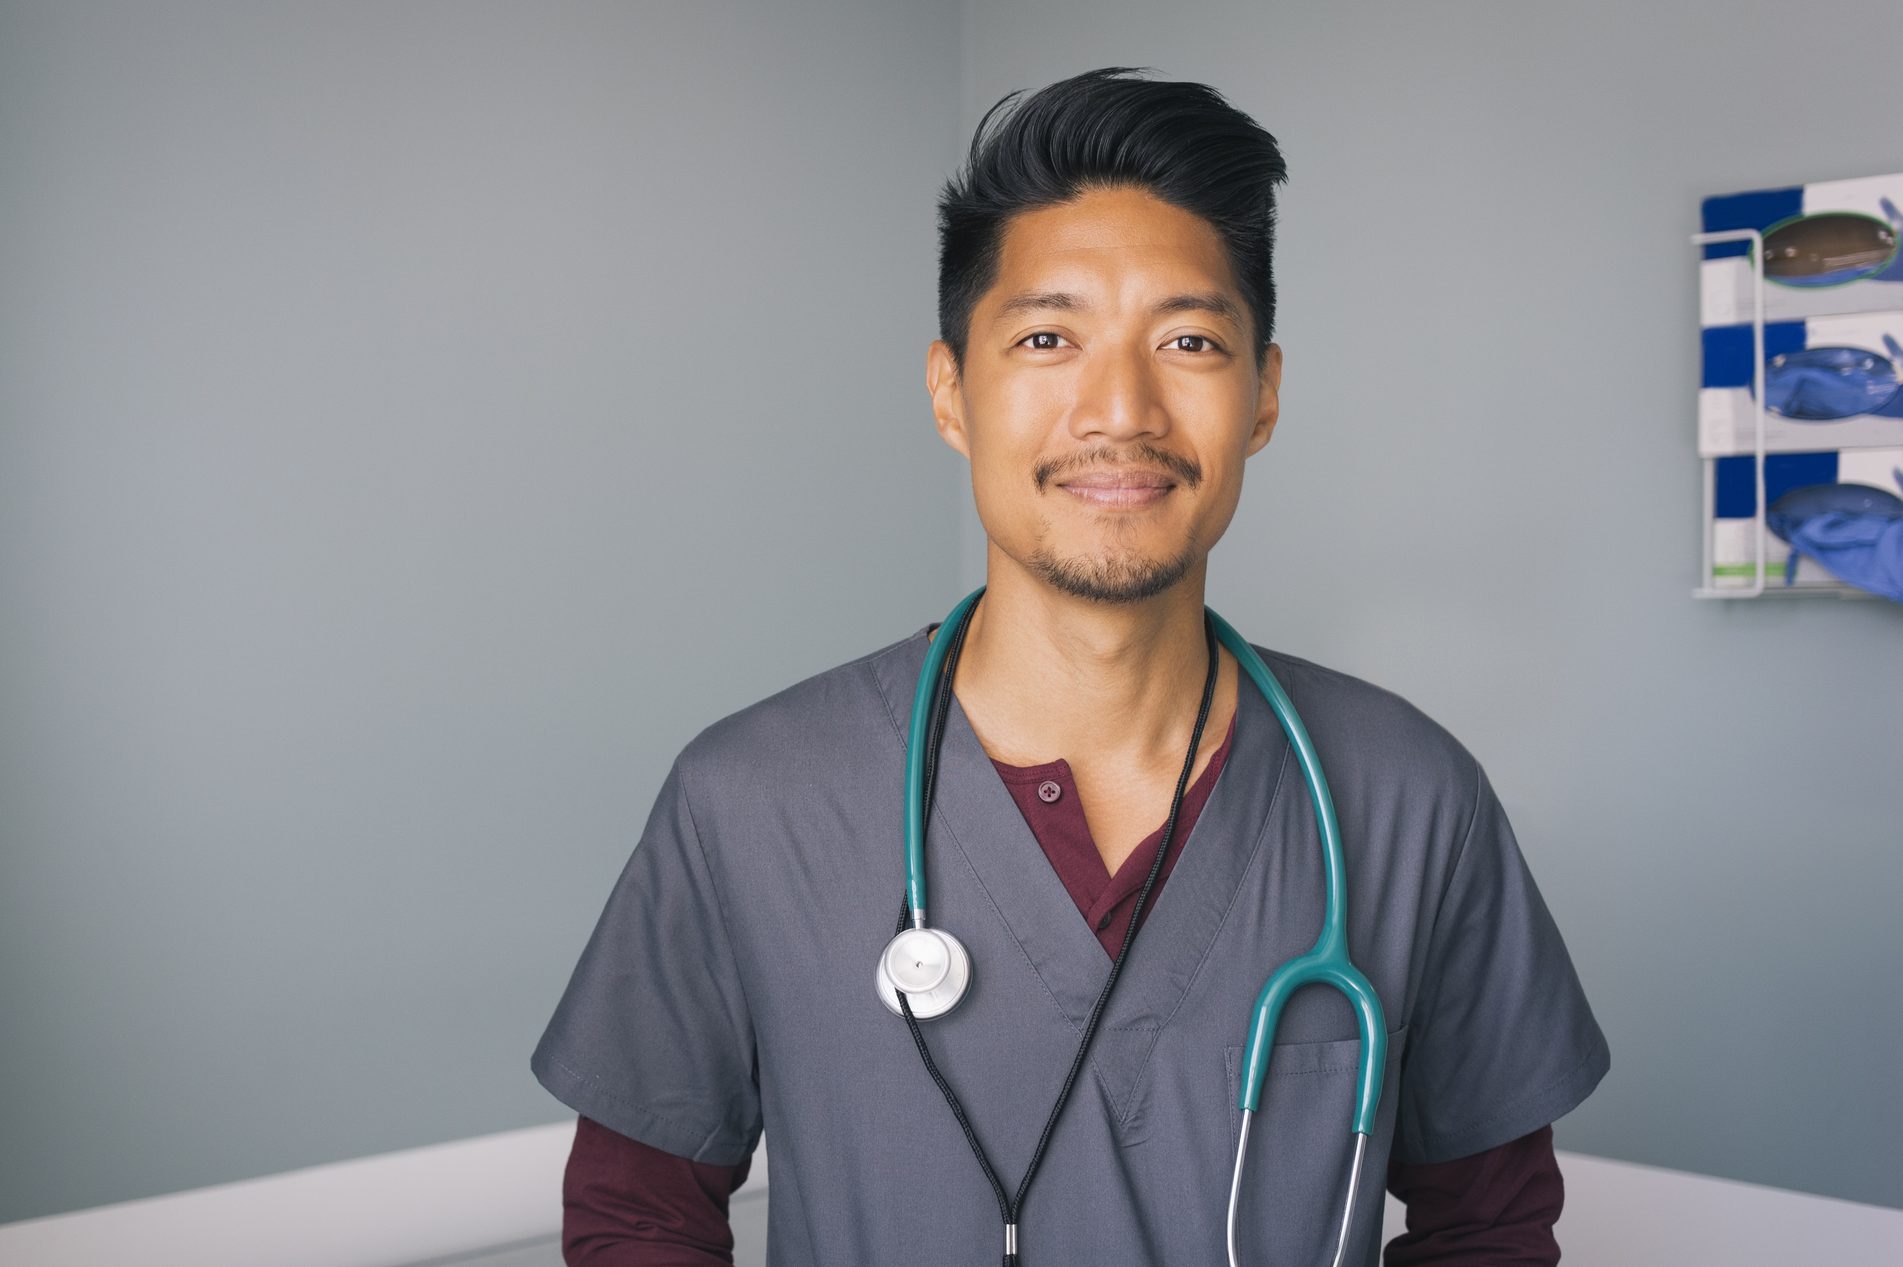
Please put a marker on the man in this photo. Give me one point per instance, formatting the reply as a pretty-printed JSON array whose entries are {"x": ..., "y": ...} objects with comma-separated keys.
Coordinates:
[{"x": 1106, "y": 366}]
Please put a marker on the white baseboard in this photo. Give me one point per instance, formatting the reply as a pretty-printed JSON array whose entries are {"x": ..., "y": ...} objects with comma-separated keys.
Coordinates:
[
  {"x": 379, "y": 1211},
  {"x": 474, "y": 1194},
  {"x": 1623, "y": 1214}
]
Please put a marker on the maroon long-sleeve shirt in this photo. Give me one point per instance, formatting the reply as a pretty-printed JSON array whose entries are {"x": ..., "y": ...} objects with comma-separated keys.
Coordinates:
[{"x": 626, "y": 1204}]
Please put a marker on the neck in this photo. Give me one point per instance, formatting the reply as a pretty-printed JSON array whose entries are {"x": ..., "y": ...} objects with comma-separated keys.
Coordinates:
[{"x": 1044, "y": 674}]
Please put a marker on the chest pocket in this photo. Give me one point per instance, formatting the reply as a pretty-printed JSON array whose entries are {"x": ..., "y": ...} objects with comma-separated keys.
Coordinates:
[{"x": 1301, "y": 1150}]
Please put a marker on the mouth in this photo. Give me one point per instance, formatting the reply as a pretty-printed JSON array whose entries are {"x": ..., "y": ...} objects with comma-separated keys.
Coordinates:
[{"x": 1119, "y": 489}]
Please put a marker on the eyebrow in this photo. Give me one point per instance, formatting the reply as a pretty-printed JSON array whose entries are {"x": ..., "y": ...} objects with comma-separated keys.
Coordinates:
[{"x": 1213, "y": 302}]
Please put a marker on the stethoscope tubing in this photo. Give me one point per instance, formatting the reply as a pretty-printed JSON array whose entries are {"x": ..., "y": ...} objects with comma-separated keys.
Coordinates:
[
  {"x": 894, "y": 966},
  {"x": 1347, "y": 1206},
  {"x": 915, "y": 754},
  {"x": 1325, "y": 963}
]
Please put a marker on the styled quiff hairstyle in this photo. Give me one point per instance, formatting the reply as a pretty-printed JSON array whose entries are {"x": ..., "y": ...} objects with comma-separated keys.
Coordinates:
[{"x": 1180, "y": 142}]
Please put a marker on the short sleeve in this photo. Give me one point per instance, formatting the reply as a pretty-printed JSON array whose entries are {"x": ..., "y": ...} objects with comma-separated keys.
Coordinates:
[
  {"x": 1501, "y": 1041},
  {"x": 652, "y": 1037}
]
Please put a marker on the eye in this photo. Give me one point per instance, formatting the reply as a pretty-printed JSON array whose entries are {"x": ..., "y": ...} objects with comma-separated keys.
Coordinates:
[
  {"x": 1036, "y": 343},
  {"x": 1202, "y": 341}
]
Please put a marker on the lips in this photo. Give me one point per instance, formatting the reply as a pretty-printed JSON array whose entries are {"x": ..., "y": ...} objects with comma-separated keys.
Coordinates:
[{"x": 1119, "y": 489}]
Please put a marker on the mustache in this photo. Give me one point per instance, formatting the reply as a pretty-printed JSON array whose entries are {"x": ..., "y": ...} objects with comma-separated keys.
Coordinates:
[{"x": 1185, "y": 470}]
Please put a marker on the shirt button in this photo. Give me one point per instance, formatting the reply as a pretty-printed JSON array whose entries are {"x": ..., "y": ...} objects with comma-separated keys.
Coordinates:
[
  {"x": 1103, "y": 923},
  {"x": 1048, "y": 791}
]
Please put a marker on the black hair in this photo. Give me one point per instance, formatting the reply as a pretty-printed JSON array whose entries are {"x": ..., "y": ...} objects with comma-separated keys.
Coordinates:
[{"x": 1180, "y": 142}]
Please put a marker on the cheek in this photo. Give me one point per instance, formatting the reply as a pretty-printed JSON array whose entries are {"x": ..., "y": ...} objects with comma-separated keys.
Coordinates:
[
  {"x": 1017, "y": 415},
  {"x": 1035, "y": 401},
  {"x": 1222, "y": 494},
  {"x": 1000, "y": 481},
  {"x": 1005, "y": 452}
]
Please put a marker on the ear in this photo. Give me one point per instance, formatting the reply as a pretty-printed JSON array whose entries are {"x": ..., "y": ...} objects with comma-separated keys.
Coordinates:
[
  {"x": 948, "y": 396},
  {"x": 1268, "y": 398}
]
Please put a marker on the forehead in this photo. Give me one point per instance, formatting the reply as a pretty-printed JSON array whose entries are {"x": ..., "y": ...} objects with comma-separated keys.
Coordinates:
[{"x": 1114, "y": 243}]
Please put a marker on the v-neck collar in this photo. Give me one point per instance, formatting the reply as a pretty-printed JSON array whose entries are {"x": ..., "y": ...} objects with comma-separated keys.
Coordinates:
[
  {"x": 975, "y": 815},
  {"x": 1062, "y": 831}
]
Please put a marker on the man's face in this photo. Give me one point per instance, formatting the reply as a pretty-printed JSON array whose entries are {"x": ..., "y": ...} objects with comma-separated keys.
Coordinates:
[{"x": 1110, "y": 395}]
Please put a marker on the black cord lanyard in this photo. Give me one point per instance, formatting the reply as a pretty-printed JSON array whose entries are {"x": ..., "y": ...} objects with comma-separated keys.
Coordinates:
[{"x": 1011, "y": 1207}]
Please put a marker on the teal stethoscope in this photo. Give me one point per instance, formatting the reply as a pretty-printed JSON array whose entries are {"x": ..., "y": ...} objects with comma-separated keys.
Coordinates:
[{"x": 925, "y": 971}]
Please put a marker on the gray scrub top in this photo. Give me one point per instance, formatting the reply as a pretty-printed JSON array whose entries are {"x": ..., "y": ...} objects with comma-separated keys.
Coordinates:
[{"x": 728, "y": 988}]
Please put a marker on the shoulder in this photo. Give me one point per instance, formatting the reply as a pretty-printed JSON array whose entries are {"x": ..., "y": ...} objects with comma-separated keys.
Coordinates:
[
  {"x": 1378, "y": 714},
  {"x": 1376, "y": 735},
  {"x": 833, "y": 717}
]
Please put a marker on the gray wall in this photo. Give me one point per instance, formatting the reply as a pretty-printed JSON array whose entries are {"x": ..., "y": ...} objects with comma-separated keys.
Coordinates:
[
  {"x": 1483, "y": 494},
  {"x": 416, "y": 421}
]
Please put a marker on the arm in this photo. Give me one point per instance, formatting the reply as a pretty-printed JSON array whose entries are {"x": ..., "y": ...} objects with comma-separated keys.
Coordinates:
[
  {"x": 1496, "y": 1207},
  {"x": 626, "y": 1204},
  {"x": 652, "y": 1042},
  {"x": 1502, "y": 1043}
]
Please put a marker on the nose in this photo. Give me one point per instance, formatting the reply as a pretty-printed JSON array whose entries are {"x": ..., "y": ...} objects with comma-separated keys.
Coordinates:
[{"x": 1116, "y": 397}]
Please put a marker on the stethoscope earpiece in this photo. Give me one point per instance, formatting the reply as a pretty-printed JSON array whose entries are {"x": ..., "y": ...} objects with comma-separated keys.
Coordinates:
[{"x": 929, "y": 966}]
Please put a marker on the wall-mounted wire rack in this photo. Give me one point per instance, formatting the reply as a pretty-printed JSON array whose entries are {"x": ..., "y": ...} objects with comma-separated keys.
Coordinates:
[{"x": 1754, "y": 585}]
